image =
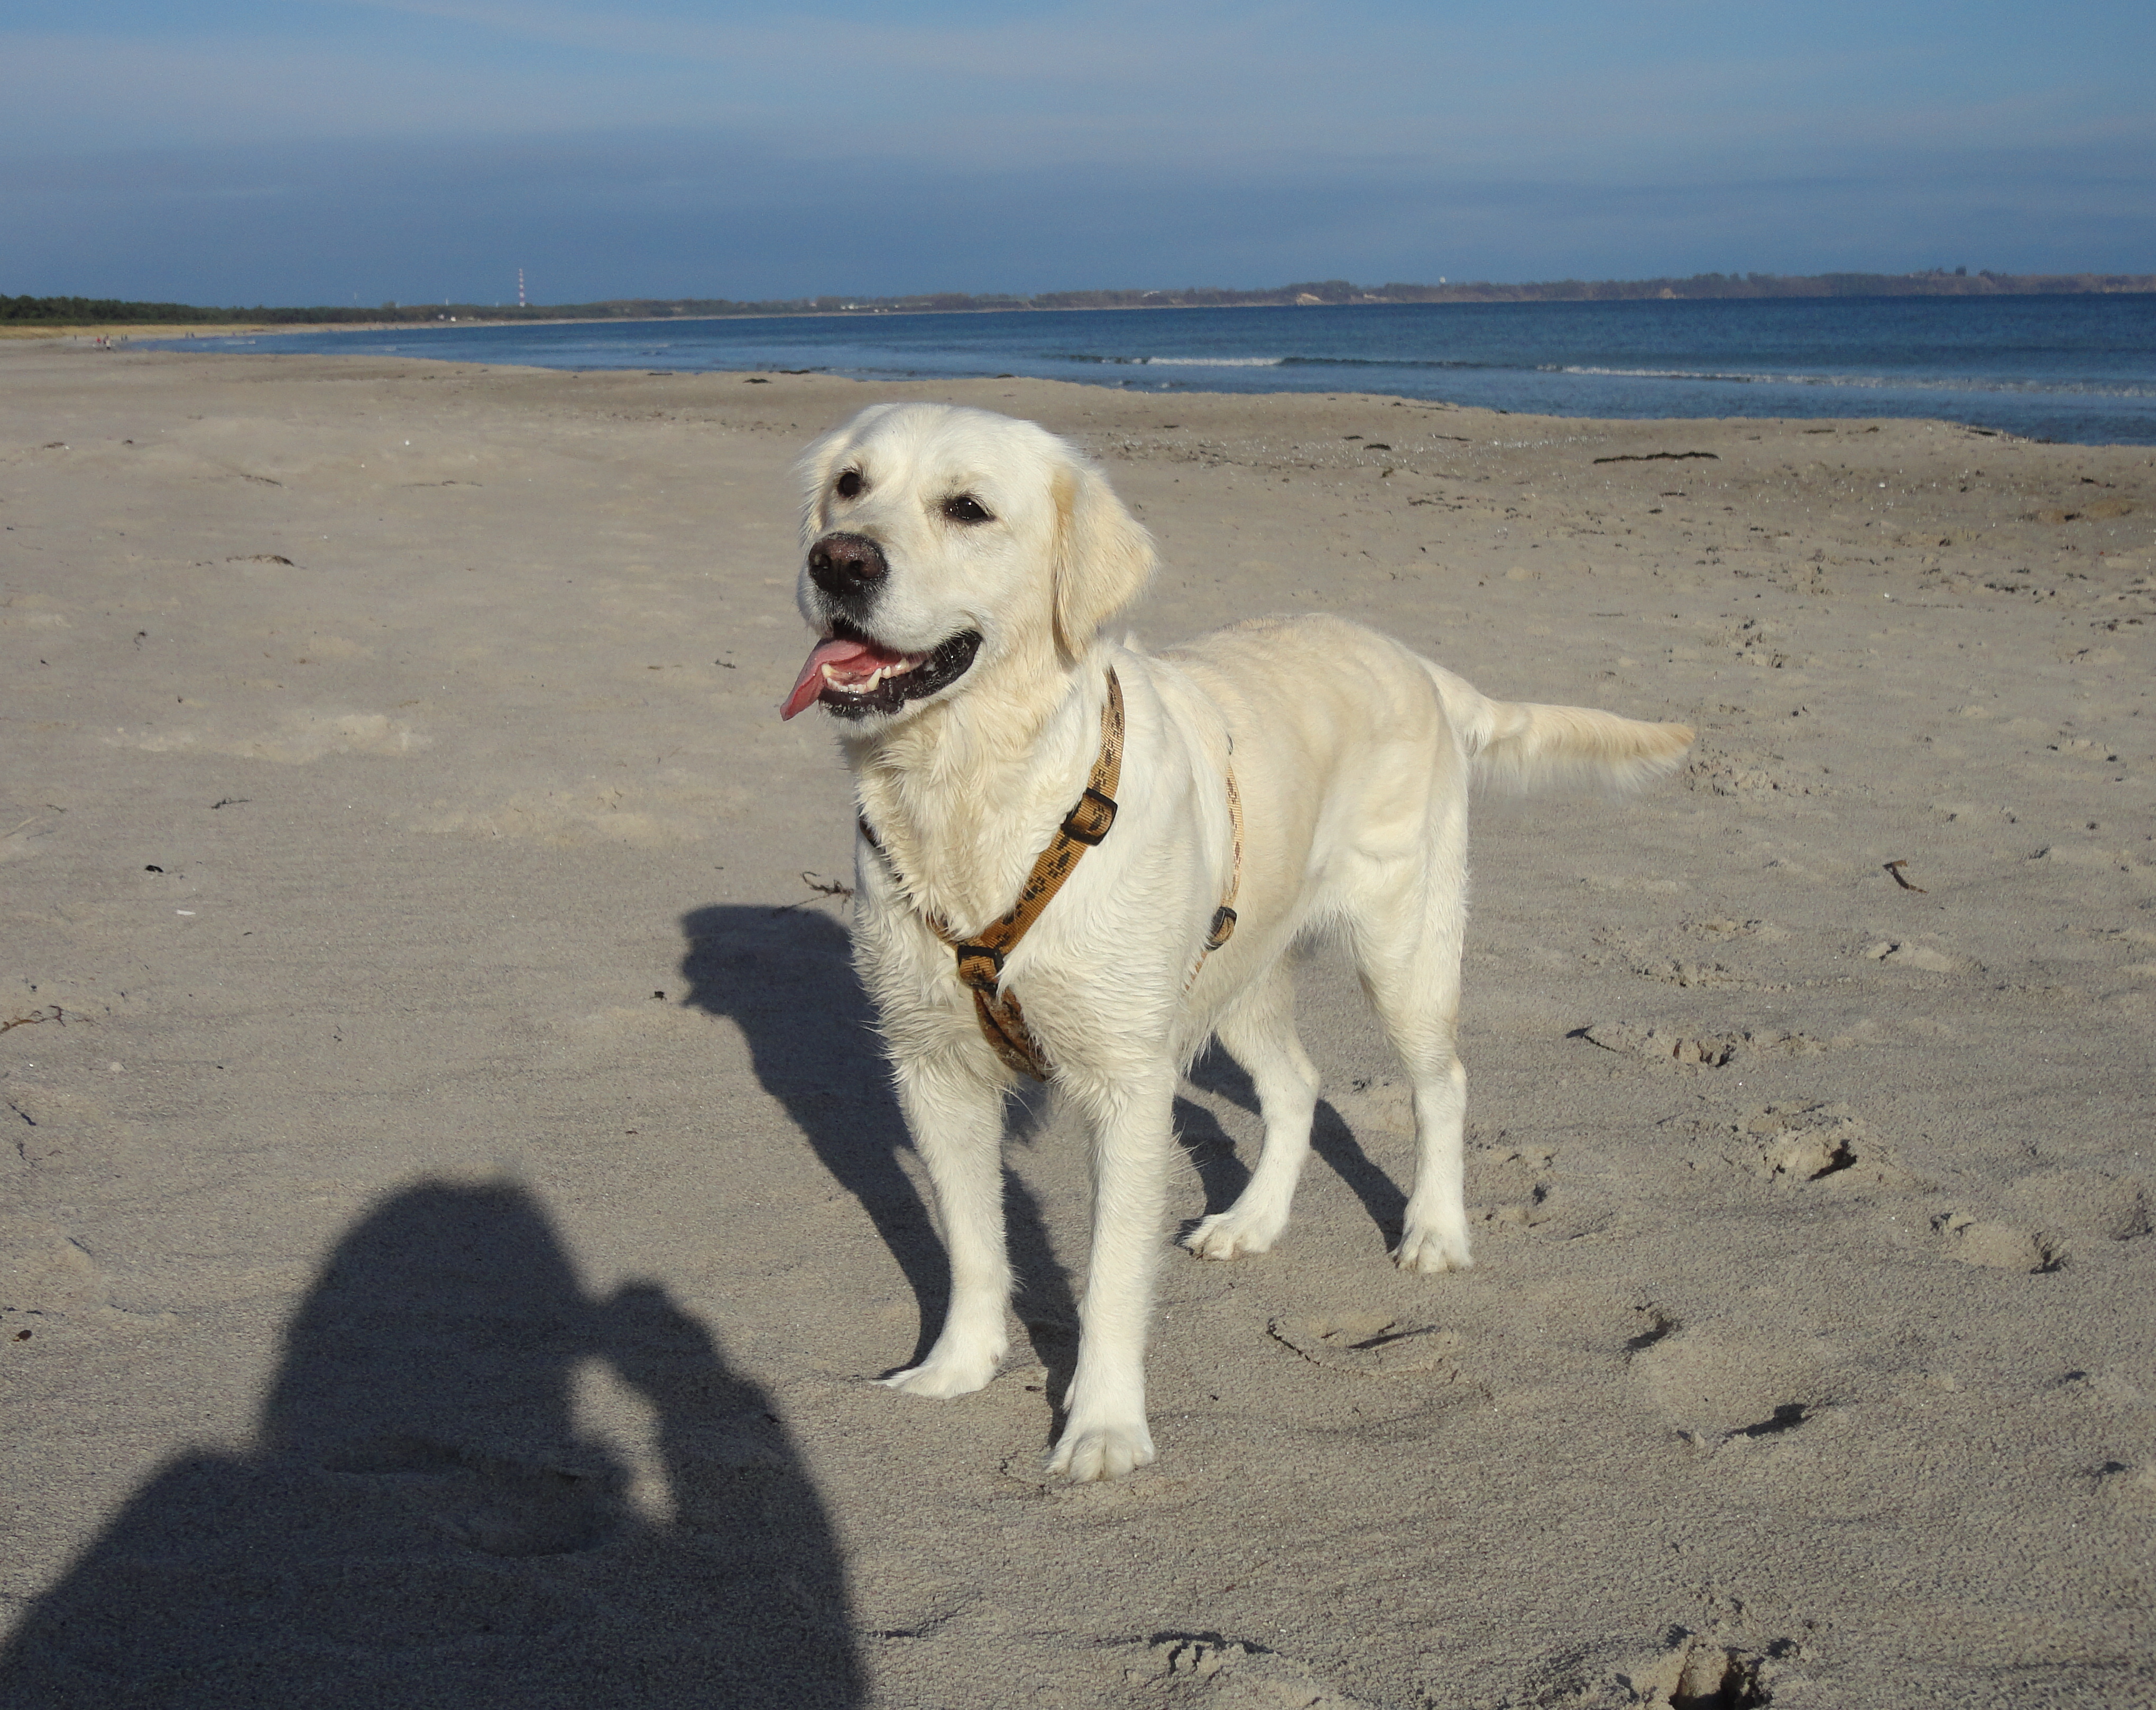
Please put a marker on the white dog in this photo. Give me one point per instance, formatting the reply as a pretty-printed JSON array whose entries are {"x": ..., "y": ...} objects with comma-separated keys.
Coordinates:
[{"x": 1022, "y": 907}]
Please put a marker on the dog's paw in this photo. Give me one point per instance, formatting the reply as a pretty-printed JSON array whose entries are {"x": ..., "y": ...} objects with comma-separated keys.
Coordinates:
[
  {"x": 1232, "y": 1234},
  {"x": 1429, "y": 1251},
  {"x": 940, "y": 1377},
  {"x": 1101, "y": 1451}
]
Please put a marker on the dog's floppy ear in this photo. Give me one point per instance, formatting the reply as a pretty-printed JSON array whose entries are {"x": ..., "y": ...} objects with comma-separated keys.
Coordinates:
[
  {"x": 1103, "y": 559},
  {"x": 812, "y": 470}
]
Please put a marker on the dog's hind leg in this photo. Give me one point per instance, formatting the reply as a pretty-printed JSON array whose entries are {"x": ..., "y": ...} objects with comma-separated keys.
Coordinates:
[
  {"x": 956, "y": 1120},
  {"x": 1406, "y": 934},
  {"x": 1258, "y": 1031},
  {"x": 1105, "y": 1434}
]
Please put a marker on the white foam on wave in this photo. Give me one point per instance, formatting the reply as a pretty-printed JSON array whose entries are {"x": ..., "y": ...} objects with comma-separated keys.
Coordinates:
[
  {"x": 1210, "y": 362},
  {"x": 1863, "y": 382}
]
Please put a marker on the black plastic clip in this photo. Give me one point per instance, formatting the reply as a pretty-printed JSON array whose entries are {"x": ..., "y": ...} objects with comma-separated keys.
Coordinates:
[
  {"x": 1089, "y": 822},
  {"x": 980, "y": 966}
]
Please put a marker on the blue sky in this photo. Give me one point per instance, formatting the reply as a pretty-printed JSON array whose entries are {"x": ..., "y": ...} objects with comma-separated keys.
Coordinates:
[{"x": 334, "y": 151}]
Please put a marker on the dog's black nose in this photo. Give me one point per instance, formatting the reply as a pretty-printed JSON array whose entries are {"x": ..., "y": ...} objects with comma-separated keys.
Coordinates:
[{"x": 846, "y": 565}]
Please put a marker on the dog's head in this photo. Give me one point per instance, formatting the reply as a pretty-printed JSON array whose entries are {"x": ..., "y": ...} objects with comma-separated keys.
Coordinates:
[{"x": 946, "y": 545}]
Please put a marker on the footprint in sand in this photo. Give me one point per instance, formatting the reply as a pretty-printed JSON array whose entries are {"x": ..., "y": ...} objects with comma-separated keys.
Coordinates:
[
  {"x": 1723, "y": 928},
  {"x": 1697, "y": 1673},
  {"x": 1675, "y": 971},
  {"x": 47, "y": 1272},
  {"x": 2051, "y": 1209},
  {"x": 1511, "y": 1187},
  {"x": 1110, "y": 1500},
  {"x": 1655, "y": 1325},
  {"x": 1682, "y": 1671},
  {"x": 1723, "y": 1391},
  {"x": 1648, "y": 958},
  {"x": 1793, "y": 1143},
  {"x": 2084, "y": 1202},
  {"x": 1997, "y": 1246},
  {"x": 1226, "y": 1674},
  {"x": 1663, "y": 1045},
  {"x": 1747, "y": 773},
  {"x": 1660, "y": 1043},
  {"x": 1374, "y": 1344},
  {"x": 2124, "y": 1482},
  {"x": 1924, "y": 958}
]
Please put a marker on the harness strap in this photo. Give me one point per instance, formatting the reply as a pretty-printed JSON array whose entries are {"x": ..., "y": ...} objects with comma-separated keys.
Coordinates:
[
  {"x": 1223, "y": 918},
  {"x": 981, "y": 959}
]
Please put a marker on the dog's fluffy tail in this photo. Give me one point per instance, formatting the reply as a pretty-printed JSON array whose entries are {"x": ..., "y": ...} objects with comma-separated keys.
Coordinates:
[{"x": 1517, "y": 745}]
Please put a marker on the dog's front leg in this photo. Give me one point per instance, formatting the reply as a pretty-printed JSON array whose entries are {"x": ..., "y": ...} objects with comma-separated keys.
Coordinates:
[
  {"x": 1105, "y": 1434},
  {"x": 957, "y": 1122}
]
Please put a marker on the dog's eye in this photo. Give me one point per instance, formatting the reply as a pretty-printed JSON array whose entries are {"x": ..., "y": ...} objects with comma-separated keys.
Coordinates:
[
  {"x": 966, "y": 508},
  {"x": 851, "y": 484}
]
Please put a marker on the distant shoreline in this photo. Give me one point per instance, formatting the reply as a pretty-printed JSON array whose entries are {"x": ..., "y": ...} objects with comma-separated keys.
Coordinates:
[{"x": 56, "y": 316}]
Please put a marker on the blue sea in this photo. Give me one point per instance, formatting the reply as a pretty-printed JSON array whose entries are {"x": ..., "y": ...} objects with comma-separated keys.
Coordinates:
[{"x": 2081, "y": 369}]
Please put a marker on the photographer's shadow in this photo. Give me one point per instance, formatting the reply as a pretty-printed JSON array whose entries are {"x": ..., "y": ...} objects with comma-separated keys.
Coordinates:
[
  {"x": 785, "y": 977},
  {"x": 421, "y": 1522}
]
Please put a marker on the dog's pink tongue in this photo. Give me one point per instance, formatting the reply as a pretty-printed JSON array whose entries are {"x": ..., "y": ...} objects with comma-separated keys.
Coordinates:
[
  {"x": 810, "y": 684},
  {"x": 850, "y": 660}
]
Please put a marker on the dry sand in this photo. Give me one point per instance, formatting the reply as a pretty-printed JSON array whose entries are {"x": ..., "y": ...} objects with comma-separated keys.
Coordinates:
[{"x": 453, "y": 1208}]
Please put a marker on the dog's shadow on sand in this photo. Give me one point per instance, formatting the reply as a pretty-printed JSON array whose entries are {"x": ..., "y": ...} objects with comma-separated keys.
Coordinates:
[
  {"x": 425, "y": 1517},
  {"x": 1211, "y": 1152},
  {"x": 785, "y": 977}
]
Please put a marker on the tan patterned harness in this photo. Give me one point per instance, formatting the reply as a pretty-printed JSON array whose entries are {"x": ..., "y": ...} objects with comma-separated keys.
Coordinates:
[{"x": 981, "y": 959}]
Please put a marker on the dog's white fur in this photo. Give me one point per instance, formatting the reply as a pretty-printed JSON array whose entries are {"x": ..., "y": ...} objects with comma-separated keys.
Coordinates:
[{"x": 1354, "y": 759}]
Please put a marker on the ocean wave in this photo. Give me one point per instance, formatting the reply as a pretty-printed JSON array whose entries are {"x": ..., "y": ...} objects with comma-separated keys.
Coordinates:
[
  {"x": 1276, "y": 362},
  {"x": 1900, "y": 383},
  {"x": 1172, "y": 361},
  {"x": 1389, "y": 363}
]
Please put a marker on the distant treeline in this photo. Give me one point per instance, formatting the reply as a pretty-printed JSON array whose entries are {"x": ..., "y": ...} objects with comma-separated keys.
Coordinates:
[
  {"x": 107, "y": 311},
  {"x": 93, "y": 311}
]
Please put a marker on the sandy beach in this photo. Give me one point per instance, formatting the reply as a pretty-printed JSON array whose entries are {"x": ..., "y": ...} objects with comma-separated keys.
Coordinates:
[{"x": 453, "y": 1209}]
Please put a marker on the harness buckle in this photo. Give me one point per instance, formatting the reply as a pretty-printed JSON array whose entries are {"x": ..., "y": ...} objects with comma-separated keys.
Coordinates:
[
  {"x": 1224, "y": 927},
  {"x": 980, "y": 966},
  {"x": 1088, "y": 821}
]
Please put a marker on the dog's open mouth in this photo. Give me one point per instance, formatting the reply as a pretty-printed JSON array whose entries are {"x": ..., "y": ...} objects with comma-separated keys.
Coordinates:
[{"x": 856, "y": 675}]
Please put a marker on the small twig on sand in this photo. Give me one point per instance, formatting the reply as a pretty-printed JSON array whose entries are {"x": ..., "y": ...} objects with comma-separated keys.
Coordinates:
[
  {"x": 1902, "y": 878},
  {"x": 33, "y": 1017},
  {"x": 822, "y": 888}
]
